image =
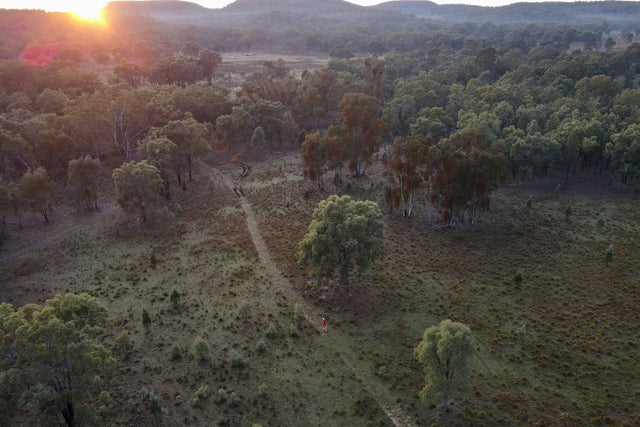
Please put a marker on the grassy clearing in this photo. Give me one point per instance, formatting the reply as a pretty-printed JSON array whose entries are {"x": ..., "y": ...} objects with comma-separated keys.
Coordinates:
[{"x": 561, "y": 347}]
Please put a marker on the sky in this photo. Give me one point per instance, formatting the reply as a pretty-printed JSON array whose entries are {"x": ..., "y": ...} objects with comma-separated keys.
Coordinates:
[{"x": 91, "y": 7}]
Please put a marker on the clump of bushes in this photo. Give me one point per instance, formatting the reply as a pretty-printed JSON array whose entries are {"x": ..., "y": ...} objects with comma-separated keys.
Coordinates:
[
  {"x": 200, "y": 395},
  {"x": 261, "y": 346}
]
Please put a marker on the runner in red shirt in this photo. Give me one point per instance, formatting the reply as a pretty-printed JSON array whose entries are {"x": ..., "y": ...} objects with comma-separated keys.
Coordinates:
[{"x": 324, "y": 324}]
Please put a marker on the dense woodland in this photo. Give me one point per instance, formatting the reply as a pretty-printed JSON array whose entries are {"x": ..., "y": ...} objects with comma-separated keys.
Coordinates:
[
  {"x": 532, "y": 100},
  {"x": 127, "y": 110}
]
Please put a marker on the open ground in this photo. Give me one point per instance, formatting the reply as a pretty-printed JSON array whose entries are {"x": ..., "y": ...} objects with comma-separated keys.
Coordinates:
[{"x": 561, "y": 348}]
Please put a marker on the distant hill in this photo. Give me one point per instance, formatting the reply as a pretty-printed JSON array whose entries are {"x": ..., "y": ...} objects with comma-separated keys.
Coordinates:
[
  {"x": 257, "y": 6},
  {"x": 615, "y": 13},
  {"x": 159, "y": 9},
  {"x": 303, "y": 15}
]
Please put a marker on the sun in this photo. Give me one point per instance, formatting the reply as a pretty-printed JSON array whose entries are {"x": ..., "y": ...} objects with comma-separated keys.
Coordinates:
[{"x": 87, "y": 10}]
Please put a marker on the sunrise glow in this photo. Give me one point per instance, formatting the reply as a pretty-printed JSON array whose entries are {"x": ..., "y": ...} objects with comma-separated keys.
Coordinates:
[{"x": 89, "y": 10}]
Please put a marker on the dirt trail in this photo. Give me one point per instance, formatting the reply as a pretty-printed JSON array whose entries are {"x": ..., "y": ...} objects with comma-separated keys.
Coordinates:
[{"x": 393, "y": 412}]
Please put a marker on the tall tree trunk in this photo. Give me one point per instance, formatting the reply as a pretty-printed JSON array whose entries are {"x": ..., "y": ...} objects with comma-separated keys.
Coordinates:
[{"x": 67, "y": 413}]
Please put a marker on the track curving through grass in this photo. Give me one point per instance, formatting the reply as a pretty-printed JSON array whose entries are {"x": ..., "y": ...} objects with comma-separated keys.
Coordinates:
[{"x": 394, "y": 412}]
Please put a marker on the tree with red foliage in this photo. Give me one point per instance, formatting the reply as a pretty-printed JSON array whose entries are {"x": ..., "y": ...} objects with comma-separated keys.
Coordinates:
[
  {"x": 360, "y": 117},
  {"x": 403, "y": 168},
  {"x": 322, "y": 152},
  {"x": 464, "y": 177}
]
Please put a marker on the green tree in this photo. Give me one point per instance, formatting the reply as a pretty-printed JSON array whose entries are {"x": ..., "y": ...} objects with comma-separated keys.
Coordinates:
[
  {"x": 16, "y": 200},
  {"x": 83, "y": 178},
  {"x": 162, "y": 153},
  {"x": 14, "y": 150},
  {"x": 190, "y": 138},
  {"x": 39, "y": 191},
  {"x": 624, "y": 153},
  {"x": 209, "y": 61},
  {"x": 400, "y": 113},
  {"x": 257, "y": 141},
  {"x": 444, "y": 350},
  {"x": 342, "y": 235},
  {"x": 136, "y": 185},
  {"x": 53, "y": 353}
]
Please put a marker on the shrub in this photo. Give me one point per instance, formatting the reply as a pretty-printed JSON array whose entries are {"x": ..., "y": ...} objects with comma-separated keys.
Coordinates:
[
  {"x": 175, "y": 297},
  {"x": 201, "y": 348},
  {"x": 202, "y": 393},
  {"x": 557, "y": 190},
  {"x": 529, "y": 201},
  {"x": 569, "y": 210},
  {"x": 383, "y": 372},
  {"x": 221, "y": 396},
  {"x": 293, "y": 330},
  {"x": 123, "y": 344},
  {"x": 105, "y": 398},
  {"x": 608, "y": 254},
  {"x": 176, "y": 352},
  {"x": 271, "y": 331},
  {"x": 236, "y": 359},
  {"x": 262, "y": 390},
  {"x": 601, "y": 221},
  {"x": 153, "y": 259},
  {"x": 298, "y": 314},
  {"x": 234, "y": 400},
  {"x": 154, "y": 406},
  {"x": 146, "y": 319},
  {"x": 517, "y": 279},
  {"x": 244, "y": 311},
  {"x": 261, "y": 346}
]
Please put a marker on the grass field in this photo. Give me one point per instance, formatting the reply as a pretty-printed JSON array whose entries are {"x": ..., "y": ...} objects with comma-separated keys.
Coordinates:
[{"x": 561, "y": 348}]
